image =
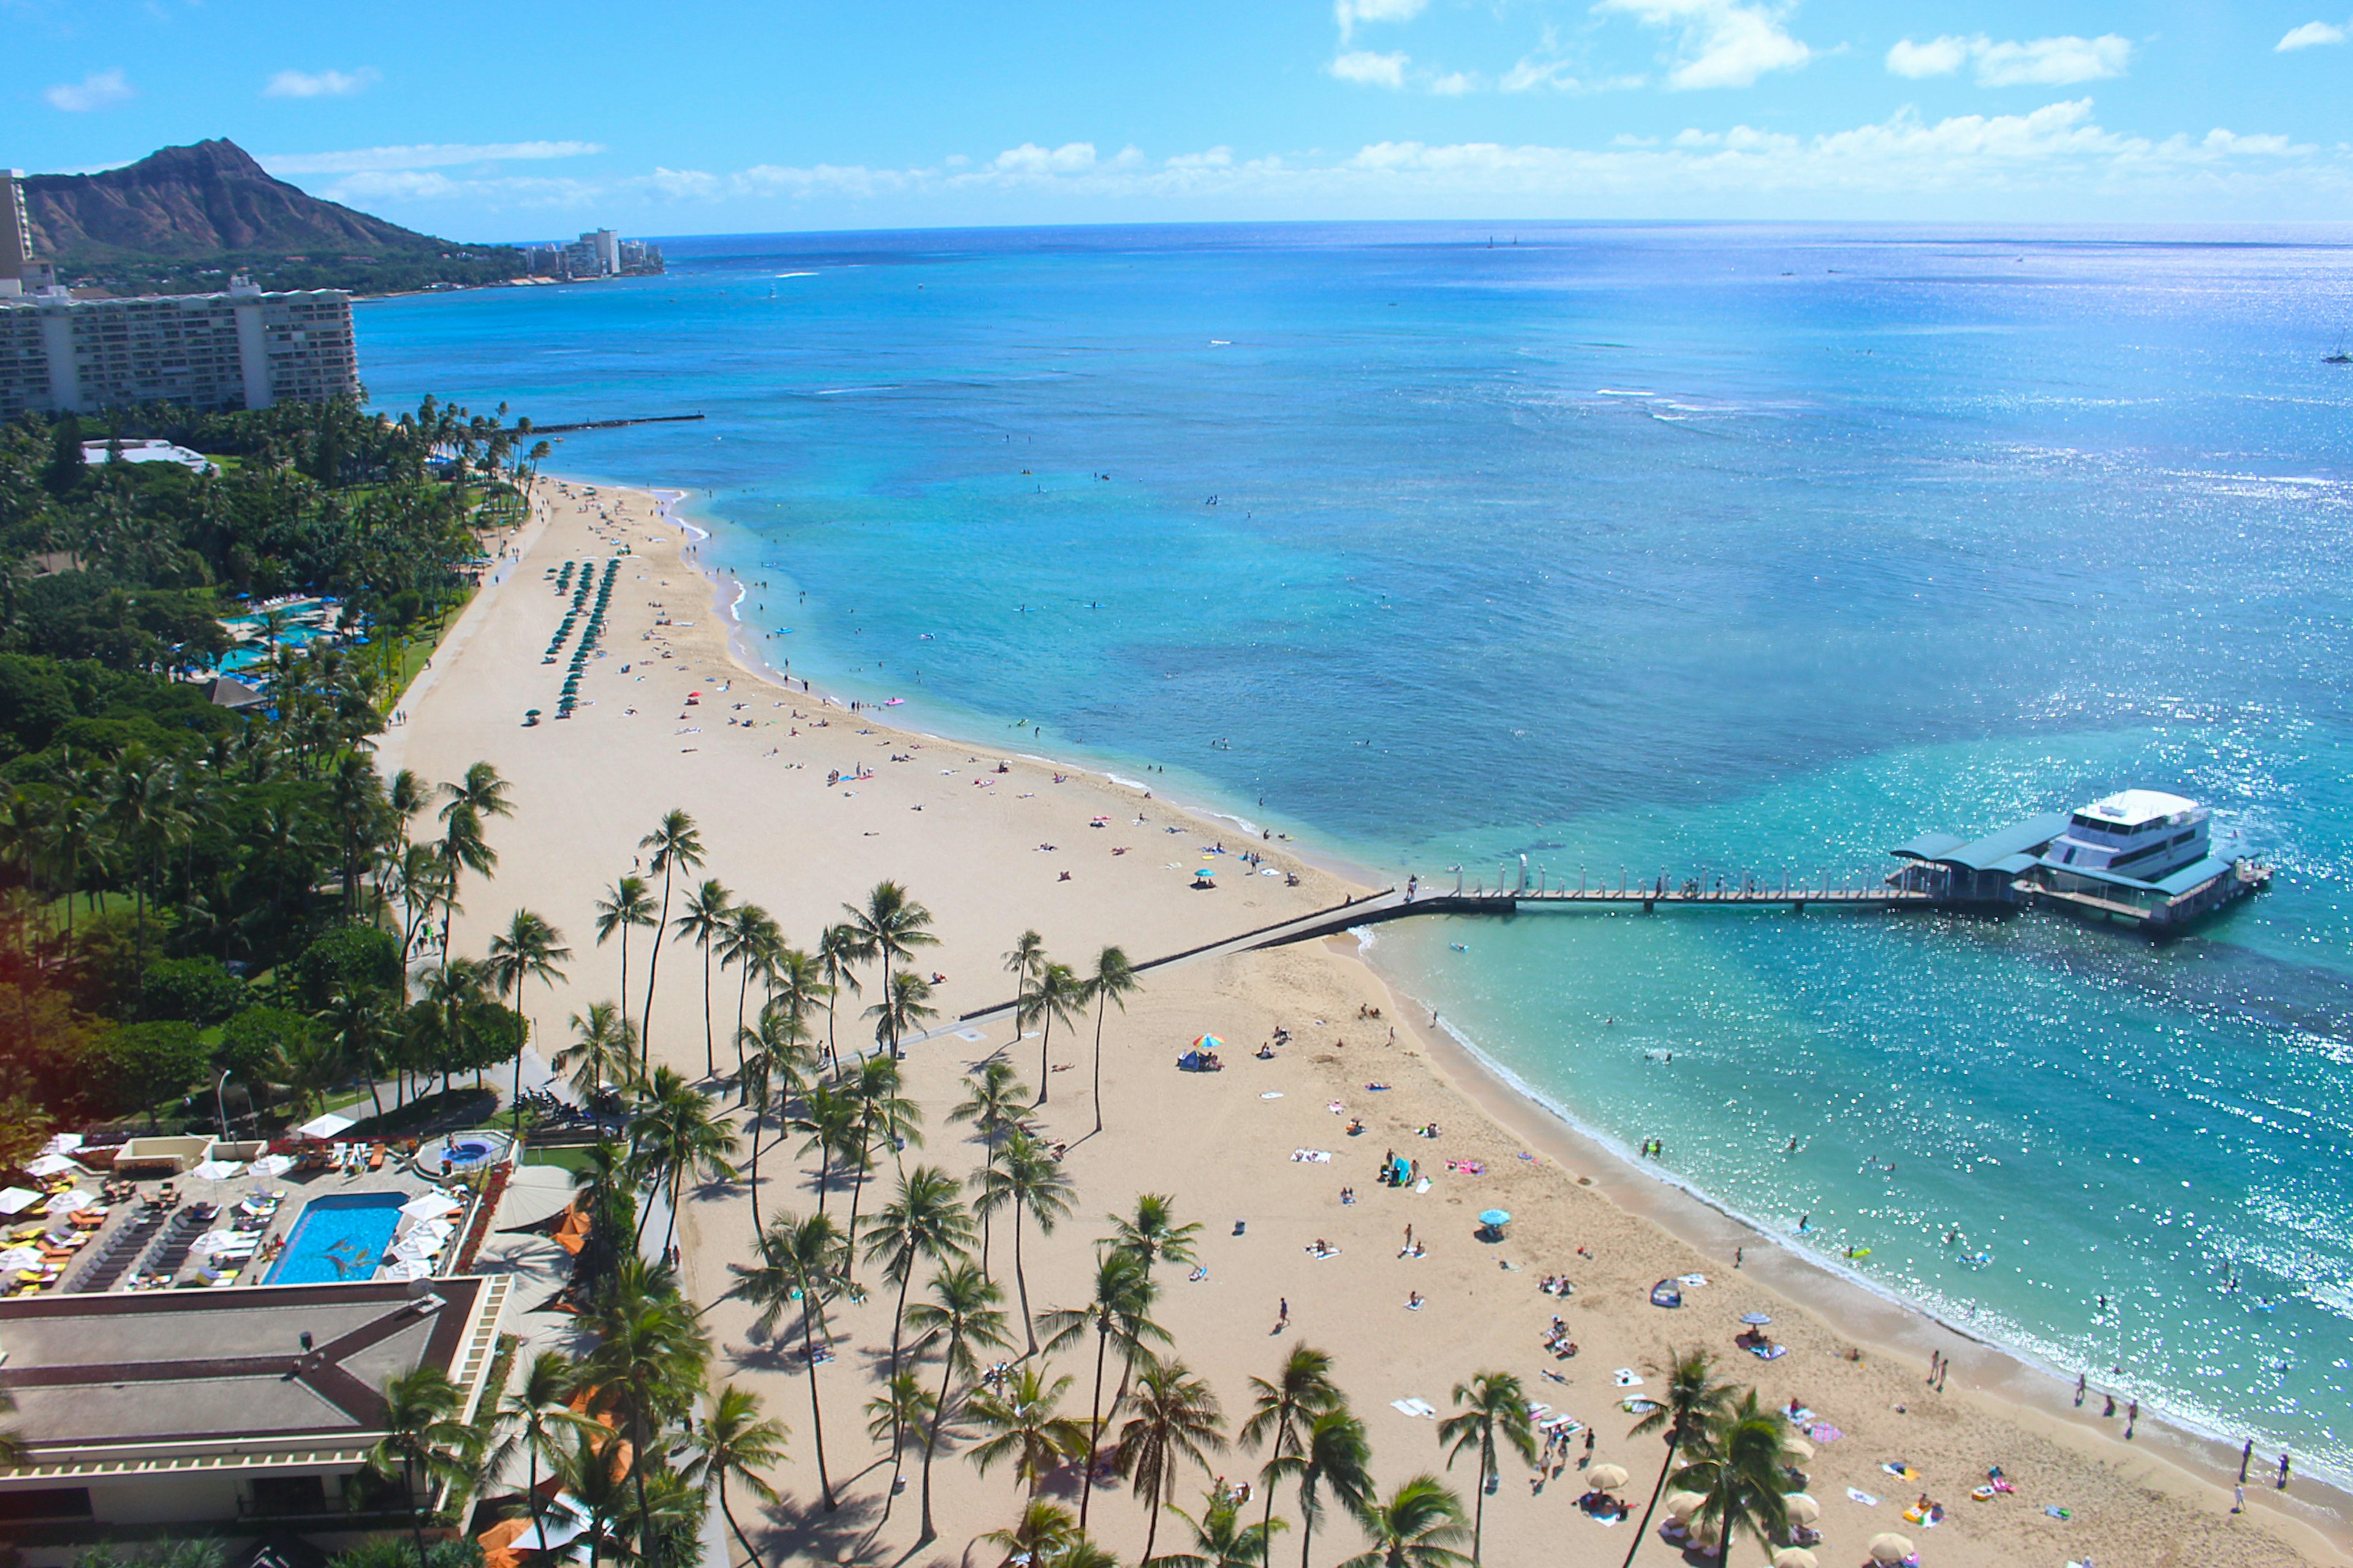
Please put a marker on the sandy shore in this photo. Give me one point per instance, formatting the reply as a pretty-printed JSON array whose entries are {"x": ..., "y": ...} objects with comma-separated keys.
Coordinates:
[{"x": 1086, "y": 861}]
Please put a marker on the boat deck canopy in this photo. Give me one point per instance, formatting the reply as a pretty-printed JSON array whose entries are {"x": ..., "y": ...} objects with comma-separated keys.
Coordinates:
[{"x": 1994, "y": 852}]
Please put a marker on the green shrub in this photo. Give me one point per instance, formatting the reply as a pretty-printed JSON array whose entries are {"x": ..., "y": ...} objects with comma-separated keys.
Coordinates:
[
  {"x": 200, "y": 990},
  {"x": 348, "y": 959},
  {"x": 133, "y": 1066},
  {"x": 257, "y": 1042}
]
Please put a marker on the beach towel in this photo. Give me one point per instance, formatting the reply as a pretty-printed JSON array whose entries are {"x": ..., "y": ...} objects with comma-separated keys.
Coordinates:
[
  {"x": 1271, "y": 1094},
  {"x": 1420, "y": 1408},
  {"x": 1625, "y": 1379},
  {"x": 1312, "y": 1156},
  {"x": 1865, "y": 1498},
  {"x": 1823, "y": 1432},
  {"x": 1695, "y": 1279},
  {"x": 1768, "y": 1352},
  {"x": 1422, "y": 1185},
  {"x": 1900, "y": 1470}
]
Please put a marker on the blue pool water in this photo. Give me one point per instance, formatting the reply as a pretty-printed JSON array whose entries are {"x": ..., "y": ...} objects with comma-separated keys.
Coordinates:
[
  {"x": 1708, "y": 549},
  {"x": 339, "y": 1238}
]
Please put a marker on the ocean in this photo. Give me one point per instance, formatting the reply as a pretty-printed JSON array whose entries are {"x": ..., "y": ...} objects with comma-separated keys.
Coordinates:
[{"x": 1714, "y": 550}]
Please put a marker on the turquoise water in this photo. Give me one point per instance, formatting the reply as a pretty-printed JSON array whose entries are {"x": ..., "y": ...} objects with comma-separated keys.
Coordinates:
[
  {"x": 340, "y": 1238},
  {"x": 1708, "y": 550}
]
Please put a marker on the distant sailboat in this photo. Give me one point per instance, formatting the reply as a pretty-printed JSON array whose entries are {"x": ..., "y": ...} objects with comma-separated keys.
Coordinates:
[{"x": 2339, "y": 357}]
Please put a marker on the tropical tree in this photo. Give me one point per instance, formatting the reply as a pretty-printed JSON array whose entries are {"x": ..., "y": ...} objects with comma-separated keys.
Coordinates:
[
  {"x": 1024, "y": 1420},
  {"x": 1119, "y": 1311},
  {"x": 735, "y": 1442},
  {"x": 466, "y": 805},
  {"x": 705, "y": 922},
  {"x": 647, "y": 1368},
  {"x": 676, "y": 846},
  {"x": 1691, "y": 1399},
  {"x": 777, "y": 1065},
  {"x": 890, "y": 926},
  {"x": 1281, "y": 1407},
  {"x": 627, "y": 905},
  {"x": 1056, "y": 992},
  {"x": 1113, "y": 979},
  {"x": 679, "y": 1133},
  {"x": 1220, "y": 1538},
  {"x": 906, "y": 998},
  {"x": 1152, "y": 1235},
  {"x": 1028, "y": 1180},
  {"x": 532, "y": 1421},
  {"x": 800, "y": 1263},
  {"x": 1335, "y": 1454},
  {"x": 423, "y": 1440},
  {"x": 603, "y": 1052},
  {"x": 903, "y": 1404},
  {"x": 749, "y": 941},
  {"x": 1416, "y": 1527},
  {"x": 963, "y": 1313},
  {"x": 529, "y": 949},
  {"x": 1176, "y": 1419},
  {"x": 1024, "y": 959},
  {"x": 1496, "y": 1412},
  {"x": 925, "y": 1223},
  {"x": 1739, "y": 1455},
  {"x": 884, "y": 1116},
  {"x": 839, "y": 951},
  {"x": 997, "y": 1106},
  {"x": 831, "y": 1121},
  {"x": 1042, "y": 1535}
]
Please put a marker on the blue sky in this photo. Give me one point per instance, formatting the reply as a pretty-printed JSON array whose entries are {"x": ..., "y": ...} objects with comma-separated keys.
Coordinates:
[{"x": 508, "y": 121}]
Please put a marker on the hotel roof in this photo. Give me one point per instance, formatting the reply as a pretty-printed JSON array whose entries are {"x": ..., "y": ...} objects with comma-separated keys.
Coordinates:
[{"x": 186, "y": 1376}]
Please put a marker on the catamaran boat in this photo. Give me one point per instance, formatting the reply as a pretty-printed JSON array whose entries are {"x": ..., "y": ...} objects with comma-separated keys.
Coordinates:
[{"x": 2143, "y": 833}]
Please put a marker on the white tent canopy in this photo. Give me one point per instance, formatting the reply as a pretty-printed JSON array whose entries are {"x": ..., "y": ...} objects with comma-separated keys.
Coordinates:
[
  {"x": 327, "y": 1126},
  {"x": 431, "y": 1205},
  {"x": 51, "y": 1165},
  {"x": 16, "y": 1200}
]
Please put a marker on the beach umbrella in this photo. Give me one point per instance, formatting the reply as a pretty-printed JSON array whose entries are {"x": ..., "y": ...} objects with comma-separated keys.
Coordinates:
[
  {"x": 1755, "y": 1319},
  {"x": 1794, "y": 1557},
  {"x": 1797, "y": 1447},
  {"x": 70, "y": 1202},
  {"x": 1209, "y": 1043},
  {"x": 1889, "y": 1548},
  {"x": 1681, "y": 1506},
  {"x": 1493, "y": 1218},
  {"x": 1801, "y": 1509},
  {"x": 1604, "y": 1477},
  {"x": 20, "y": 1258},
  {"x": 16, "y": 1200}
]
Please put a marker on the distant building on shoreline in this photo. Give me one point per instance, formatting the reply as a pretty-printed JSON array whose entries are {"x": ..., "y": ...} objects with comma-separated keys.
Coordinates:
[
  {"x": 239, "y": 349},
  {"x": 599, "y": 253}
]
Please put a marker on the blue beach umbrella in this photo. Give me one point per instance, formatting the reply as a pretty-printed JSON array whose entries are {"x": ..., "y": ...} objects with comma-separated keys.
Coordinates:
[{"x": 1494, "y": 1218}]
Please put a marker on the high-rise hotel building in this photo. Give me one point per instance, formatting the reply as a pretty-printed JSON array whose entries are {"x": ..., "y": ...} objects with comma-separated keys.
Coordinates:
[{"x": 241, "y": 349}]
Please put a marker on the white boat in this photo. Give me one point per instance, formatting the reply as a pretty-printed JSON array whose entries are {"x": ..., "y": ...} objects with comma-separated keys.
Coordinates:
[{"x": 2142, "y": 834}]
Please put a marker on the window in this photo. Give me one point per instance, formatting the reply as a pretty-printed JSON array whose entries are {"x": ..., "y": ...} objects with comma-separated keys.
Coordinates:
[
  {"x": 45, "y": 1502},
  {"x": 289, "y": 1494}
]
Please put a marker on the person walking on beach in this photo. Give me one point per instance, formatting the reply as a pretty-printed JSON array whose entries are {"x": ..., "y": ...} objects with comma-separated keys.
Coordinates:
[
  {"x": 2238, "y": 1497},
  {"x": 2079, "y": 1405},
  {"x": 2132, "y": 1418},
  {"x": 2246, "y": 1455},
  {"x": 2281, "y": 1485},
  {"x": 1283, "y": 1316}
]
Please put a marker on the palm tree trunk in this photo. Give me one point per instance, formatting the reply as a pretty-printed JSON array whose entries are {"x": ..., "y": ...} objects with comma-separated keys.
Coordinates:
[
  {"x": 743, "y": 993},
  {"x": 755, "y": 1176},
  {"x": 1307, "y": 1524},
  {"x": 1479, "y": 1509},
  {"x": 817, "y": 1417},
  {"x": 653, "y": 972},
  {"x": 1094, "y": 1426},
  {"x": 710, "y": 1056},
  {"x": 753, "y": 1550},
  {"x": 1022, "y": 1281},
  {"x": 1045, "y": 1068},
  {"x": 1100, "y": 1005},
  {"x": 1152, "y": 1531},
  {"x": 931, "y": 1438},
  {"x": 625, "y": 972},
  {"x": 416, "y": 1514},
  {"x": 1645, "y": 1528}
]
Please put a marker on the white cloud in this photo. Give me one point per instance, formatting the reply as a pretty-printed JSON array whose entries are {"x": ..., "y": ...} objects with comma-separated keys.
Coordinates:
[
  {"x": 1454, "y": 84},
  {"x": 1720, "y": 43},
  {"x": 1032, "y": 159},
  {"x": 1937, "y": 57},
  {"x": 99, "y": 89},
  {"x": 435, "y": 155},
  {"x": 1348, "y": 13},
  {"x": 2038, "y": 62},
  {"x": 1368, "y": 69},
  {"x": 2052, "y": 62},
  {"x": 2308, "y": 36},
  {"x": 319, "y": 84}
]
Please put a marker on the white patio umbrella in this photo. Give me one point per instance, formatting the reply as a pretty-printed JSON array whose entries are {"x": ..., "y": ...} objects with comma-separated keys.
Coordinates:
[
  {"x": 431, "y": 1205},
  {"x": 1801, "y": 1509},
  {"x": 326, "y": 1126},
  {"x": 49, "y": 1165},
  {"x": 1889, "y": 1548},
  {"x": 70, "y": 1202},
  {"x": 16, "y": 1200},
  {"x": 20, "y": 1258}
]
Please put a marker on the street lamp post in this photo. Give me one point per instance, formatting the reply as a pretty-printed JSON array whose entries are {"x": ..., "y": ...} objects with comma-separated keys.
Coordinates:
[{"x": 221, "y": 1104}]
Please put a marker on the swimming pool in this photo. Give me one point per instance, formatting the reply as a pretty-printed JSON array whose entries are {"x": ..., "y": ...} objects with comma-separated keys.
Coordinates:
[
  {"x": 462, "y": 1152},
  {"x": 339, "y": 1239}
]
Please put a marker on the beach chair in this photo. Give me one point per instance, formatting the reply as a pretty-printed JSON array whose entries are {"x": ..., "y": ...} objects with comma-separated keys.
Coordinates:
[{"x": 375, "y": 1157}]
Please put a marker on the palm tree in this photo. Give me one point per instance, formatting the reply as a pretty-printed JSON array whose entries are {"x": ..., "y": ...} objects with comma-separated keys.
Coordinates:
[
  {"x": 839, "y": 951},
  {"x": 1056, "y": 992},
  {"x": 532, "y": 1422},
  {"x": 648, "y": 1369},
  {"x": 1042, "y": 1535},
  {"x": 963, "y": 1311},
  {"x": 751, "y": 940},
  {"x": 422, "y": 1435},
  {"x": 708, "y": 910},
  {"x": 997, "y": 1108},
  {"x": 890, "y": 926},
  {"x": 1497, "y": 1407},
  {"x": 1154, "y": 1236},
  {"x": 1301, "y": 1390},
  {"x": 1027, "y": 956},
  {"x": 1028, "y": 1180},
  {"x": 733, "y": 1443},
  {"x": 529, "y": 949},
  {"x": 676, "y": 846},
  {"x": 1334, "y": 1453},
  {"x": 923, "y": 1224},
  {"x": 592, "y": 1474},
  {"x": 1692, "y": 1398},
  {"x": 903, "y": 1403},
  {"x": 677, "y": 1134},
  {"x": 1119, "y": 1310},
  {"x": 1739, "y": 1457},
  {"x": 775, "y": 1066},
  {"x": 1024, "y": 1418},
  {"x": 904, "y": 1004},
  {"x": 1220, "y": 1538},
  {"x": 1416, "y": 1528},
  {"x": 626, "y": 904},
  {"x": 800, "y": 1260},
  {"x": 884, "y": 1115},
  {"x": 1114, "y": 981},
  {"x": 829, "y": 1118},
  {"x": 1176, "y": 1419},
  {"x": 604, "y": 1051},
  {"x": 482, "y": 794}
]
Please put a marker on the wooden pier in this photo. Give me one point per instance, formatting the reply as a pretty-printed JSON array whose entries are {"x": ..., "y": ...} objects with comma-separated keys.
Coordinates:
[{"x": 1648, "y": 899}]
